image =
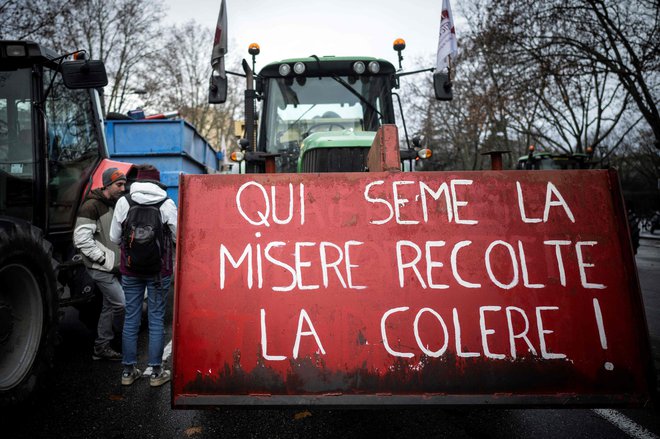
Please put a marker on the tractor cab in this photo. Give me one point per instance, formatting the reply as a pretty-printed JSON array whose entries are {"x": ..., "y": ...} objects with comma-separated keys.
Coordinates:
[
  {"x": 321, "y": 114},
  {"x": 51, "y": 137}
]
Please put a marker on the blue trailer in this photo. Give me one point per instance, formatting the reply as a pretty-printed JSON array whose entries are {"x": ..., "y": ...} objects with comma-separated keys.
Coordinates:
[{"x": 172, "y": 146}]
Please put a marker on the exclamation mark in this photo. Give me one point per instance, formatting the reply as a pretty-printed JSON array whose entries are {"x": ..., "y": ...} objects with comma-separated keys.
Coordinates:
[{"x": 601, "y": 331}]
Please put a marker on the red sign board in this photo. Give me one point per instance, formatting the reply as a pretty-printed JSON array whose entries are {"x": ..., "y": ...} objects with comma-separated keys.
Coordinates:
[{"x": 397, "y": 288}]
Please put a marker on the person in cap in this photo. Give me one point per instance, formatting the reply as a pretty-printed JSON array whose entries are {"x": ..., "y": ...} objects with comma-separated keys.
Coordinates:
[{"x": 101, "y": 258}]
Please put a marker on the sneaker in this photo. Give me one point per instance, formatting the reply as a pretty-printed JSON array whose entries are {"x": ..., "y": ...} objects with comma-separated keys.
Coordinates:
[
  {"x": 160, "y": 378},
  {"x": 129, "y": 375},
  {"x": 107, "y": 353}
]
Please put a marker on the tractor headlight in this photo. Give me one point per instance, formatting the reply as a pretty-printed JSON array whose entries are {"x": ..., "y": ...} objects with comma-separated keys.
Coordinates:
[
  {"x": 299, "y": 68},
  {"x": 374, "y": 67},
  {"x": 16, "y": 50},
  {"x": 358, "y": 67},
  {"x": 285, "y": 69}
]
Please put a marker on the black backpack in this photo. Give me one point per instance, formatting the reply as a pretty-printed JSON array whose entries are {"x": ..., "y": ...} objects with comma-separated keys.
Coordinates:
[{"x": 144, "y": 237}]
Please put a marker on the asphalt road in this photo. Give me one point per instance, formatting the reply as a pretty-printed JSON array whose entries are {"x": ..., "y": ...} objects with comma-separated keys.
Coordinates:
[{"x": 85, "y": 400}]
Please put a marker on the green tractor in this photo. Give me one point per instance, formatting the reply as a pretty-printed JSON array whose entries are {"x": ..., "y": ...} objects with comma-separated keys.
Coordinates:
[{"x": 321, "y": 114}]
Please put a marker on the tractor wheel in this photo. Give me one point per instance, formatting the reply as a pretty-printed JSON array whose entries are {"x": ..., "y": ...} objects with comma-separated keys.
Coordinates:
[{"x": 28, "y": 310}]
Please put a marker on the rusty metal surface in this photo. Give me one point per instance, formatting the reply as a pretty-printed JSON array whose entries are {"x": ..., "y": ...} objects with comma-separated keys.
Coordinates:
[
  {"x": 384, "y": 152},
  {"x": 486, "y": 287}
]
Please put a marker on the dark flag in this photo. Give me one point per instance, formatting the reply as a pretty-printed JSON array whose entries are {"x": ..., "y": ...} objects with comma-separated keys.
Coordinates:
[{"x": 220, "y": 42}]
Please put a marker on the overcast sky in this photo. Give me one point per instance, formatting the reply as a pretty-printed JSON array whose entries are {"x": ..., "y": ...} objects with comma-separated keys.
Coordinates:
[{"x": 298, "y": 28}]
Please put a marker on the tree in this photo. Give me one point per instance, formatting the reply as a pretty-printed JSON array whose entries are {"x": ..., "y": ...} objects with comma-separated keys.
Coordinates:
[
  {"x": 638, "y": 163},
  {"x": 32, "y": 19},
  {"x": 124, "y": 34},
  {"x": 592, "y": 36},
  {"x": 515, "y": 85},
  {"x": 183, "y": 70},
  {"x": 455, "y": 131},
  {"x": 575, "y": 110}
]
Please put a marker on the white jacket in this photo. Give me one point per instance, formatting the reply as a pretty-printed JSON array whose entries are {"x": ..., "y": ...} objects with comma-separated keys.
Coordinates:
[{"x": 143, "y": 192}]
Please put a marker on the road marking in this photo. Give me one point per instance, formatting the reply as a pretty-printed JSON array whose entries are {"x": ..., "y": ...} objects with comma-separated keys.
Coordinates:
[
  {"x": 625, "y": 424},
  {"x": 166, "y": 354}
]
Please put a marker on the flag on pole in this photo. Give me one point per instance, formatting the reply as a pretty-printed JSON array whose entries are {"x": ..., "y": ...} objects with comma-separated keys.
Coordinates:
[
  {"x": 220, "y": 41},
  {"x": 447, "y": 41}
]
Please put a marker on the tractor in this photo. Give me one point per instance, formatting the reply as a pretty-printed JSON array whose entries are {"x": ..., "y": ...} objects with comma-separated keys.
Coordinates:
[
  {"x": 321, "y": 114},
  {"x": 52, "y": 150}
]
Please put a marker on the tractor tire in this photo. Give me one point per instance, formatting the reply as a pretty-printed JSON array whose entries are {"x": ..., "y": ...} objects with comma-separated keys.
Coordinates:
[{"x": 28, "y": 310}]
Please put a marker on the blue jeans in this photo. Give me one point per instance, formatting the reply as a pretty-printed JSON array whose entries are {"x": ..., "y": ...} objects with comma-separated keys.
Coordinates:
[{"x": 157, "y": 290}]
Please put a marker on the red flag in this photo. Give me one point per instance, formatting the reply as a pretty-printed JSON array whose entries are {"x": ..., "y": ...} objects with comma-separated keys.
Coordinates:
[{"x": 447, "y": 45}]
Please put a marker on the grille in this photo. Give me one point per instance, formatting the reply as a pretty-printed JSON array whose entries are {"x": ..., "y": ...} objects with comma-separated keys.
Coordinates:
[{"x": 349, "y": 159}]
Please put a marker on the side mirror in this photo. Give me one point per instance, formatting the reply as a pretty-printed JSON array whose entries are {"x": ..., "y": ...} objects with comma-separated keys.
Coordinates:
[
  {"x": 84, "y": 74},
  {"x": 218, "y": 89},
  {"x": 442, "y": 86}
]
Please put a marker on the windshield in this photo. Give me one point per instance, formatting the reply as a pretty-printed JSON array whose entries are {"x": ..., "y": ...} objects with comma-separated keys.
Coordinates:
[
  {"x": 16, "y": 145},
  {"x": 295, "y": 108}
]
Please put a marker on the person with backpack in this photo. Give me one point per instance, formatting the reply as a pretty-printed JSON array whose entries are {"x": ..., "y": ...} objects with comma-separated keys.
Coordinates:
[
  {"x": 101, "y": 258},
  {"x": 144, "y": 225}
]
